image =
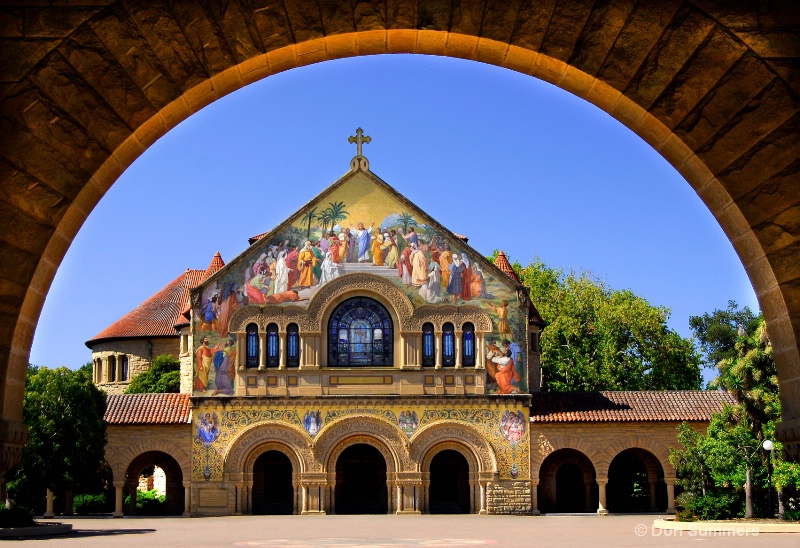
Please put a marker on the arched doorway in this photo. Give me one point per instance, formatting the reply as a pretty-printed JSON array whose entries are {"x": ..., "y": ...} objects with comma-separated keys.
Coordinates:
[
  {"x": 361, "y": 481},
  {"x": 173, "y": 504},
  {"x": 273, "y": 492},
  {"x": 567, "y": 483},
  {"x": 636, "y": 483},
  {"x": 449, "y": 488}
]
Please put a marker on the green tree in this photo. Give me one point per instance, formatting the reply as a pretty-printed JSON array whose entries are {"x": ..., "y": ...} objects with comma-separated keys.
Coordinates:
[
  {"x": 163, "y": 376},
  {"x": 599, "y": 338},
  {"x": 716, "y": 465},
  {"x": 67, "y": 435},
  {"x": 718, "y": 332}
]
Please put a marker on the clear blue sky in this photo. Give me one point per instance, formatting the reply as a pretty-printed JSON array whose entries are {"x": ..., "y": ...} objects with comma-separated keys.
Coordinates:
[{"x": 510, "y": 161}]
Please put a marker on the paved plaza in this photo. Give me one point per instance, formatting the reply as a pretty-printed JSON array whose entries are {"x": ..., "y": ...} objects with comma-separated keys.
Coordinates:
[{"x": 395, "y": 532}]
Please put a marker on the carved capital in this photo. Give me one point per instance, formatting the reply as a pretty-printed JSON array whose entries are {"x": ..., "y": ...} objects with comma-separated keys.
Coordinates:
[
  {"x": 788, "y": 433},
  {"x": 13, "y": 436}
]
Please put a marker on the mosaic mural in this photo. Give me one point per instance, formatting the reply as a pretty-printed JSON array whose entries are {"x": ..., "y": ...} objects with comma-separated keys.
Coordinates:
[
  {"x": 508, "y": 438},
  {"x": 358, "y": 225}
]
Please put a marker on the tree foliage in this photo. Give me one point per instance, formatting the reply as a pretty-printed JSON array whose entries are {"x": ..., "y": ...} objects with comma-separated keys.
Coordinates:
[
  {"x": 718, "y": 332},
  {"x": 713, "y": 467},
  {"x": 163, "y": 376},
  {"x": 66, "y": 439},
  {"x": 599, "y": 338}
]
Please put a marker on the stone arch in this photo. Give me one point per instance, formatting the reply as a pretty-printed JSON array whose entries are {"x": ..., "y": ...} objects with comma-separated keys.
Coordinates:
[
  {"x": 551, "y": 444},
  {"x": 247, "y": 446},
  {"x": 175, "y": 493},
  {"x": 264, "y": 315},
  {"x": 614, "y": 447},
  {"x": 370, "y": 285},
  {"x": 462, "y": 437},
  {"x": 695, "y": 80},
  {"x": 630, "y": 472},
  {"x": 383, "y": 435},
  {"x": 548, "y": 484},
  {"x": 124, "y": 456}
]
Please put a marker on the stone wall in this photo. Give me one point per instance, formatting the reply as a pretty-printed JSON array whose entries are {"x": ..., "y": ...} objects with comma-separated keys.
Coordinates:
[
  {"x": 509, "y": 497},
  {"x": 139, "y": 353},
  {"x": 602, "y": 441}
]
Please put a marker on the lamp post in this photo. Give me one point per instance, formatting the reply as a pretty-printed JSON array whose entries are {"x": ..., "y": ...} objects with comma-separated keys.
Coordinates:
[{"x": 768, "y": 446}]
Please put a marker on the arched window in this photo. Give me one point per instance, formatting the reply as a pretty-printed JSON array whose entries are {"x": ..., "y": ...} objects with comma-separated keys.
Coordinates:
[
  {"x": 428, "y": 345},
  {"x": 360, "y": 334},
  {"x": 468, "y": 345},
  {"x": 448, "y": 345},
  {"x": 292, "y": 345},
  {"x": 112, "y": 368},
  {"x": 252, "y": 345},
  {"x": 273, "y": 345},
  {"x": 124, "y": 367}
]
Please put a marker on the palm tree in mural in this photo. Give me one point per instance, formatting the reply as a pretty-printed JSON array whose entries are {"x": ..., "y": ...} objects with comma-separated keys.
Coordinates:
[
  {"x": 325, "y": 217},
  {"x": 430, "y": 234},
  {"x": 310, "y": 216},
  {"x": 407, "y": 220},
  {"x": 338, "y": 212}
]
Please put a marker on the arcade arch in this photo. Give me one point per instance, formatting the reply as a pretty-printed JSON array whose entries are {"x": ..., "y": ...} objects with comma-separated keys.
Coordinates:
[
  {"x": 689, "y": 78},
  {"x": 175, "y": 495}
]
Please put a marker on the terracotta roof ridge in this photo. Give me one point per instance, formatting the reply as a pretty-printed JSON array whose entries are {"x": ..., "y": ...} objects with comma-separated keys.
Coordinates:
[{"x": 502, "y": 263}]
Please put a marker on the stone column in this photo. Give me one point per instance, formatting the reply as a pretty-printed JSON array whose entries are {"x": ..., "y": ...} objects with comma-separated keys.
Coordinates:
[
  {"x": 399, "y": 507},
  {"x": 601, "y": 484},
  {"x": 438, "y": 350},
  {"x": 118, "y": 485},
  {"x": 282, "y": 350},
  {"x": 670, "y": 495},
  {"x": 48, "y": 513},
  {"x": 483, "y": 509},
  {"x": 457, "y": 336},
  {"x": 652, "y": 484},
  {"x": 187, "y": 499},
  {"x": 535, "y": 498},
  {"x": 241, "y": 350},
  {"x": 262, "y": 351}
]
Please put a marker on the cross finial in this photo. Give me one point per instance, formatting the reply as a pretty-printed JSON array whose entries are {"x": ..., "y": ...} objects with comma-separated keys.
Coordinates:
[{"x": 359, "y": 139}]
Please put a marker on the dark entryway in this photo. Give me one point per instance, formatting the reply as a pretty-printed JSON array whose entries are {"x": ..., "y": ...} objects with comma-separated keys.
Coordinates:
[
  {"x": 361, "y": 481},
  {"x": 272, "y": 484},
  {"x": 569, "y": 489},
  {"x": 635, "y": 480},
  {"x": 449, "y": 490}
]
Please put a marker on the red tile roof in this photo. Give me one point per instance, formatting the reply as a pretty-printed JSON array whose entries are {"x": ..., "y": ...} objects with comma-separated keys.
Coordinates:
[
  {"x": 253, "y": 239},
  {"x": 502, "y": 263},
  {"x": 628, "y": 406},
  {"x": 215, "y": 264},
  {"x": 148, "y": 409},
  {"x": 158, "y": 315},
  {"x": 461, "y": 237}
]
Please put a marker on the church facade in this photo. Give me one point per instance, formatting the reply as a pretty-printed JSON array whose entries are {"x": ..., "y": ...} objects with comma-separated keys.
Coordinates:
[{"x": 361, "y": 358}]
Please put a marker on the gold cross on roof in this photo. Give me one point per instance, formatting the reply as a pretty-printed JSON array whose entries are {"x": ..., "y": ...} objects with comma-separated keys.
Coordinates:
[{"x": 359, "y": 139}]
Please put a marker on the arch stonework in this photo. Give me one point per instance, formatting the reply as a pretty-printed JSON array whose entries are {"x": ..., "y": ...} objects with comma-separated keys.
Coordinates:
[
  {"x": 427, "y": 439},
  {"x": 601, "y": 454},
  {"x": 711, "y": 86},
  {"x": 341, "y": 434},
  {"x": 337, "y": 290},
  {"x": 242, "y": 452},
  {"x": 125, "y": 454}
]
